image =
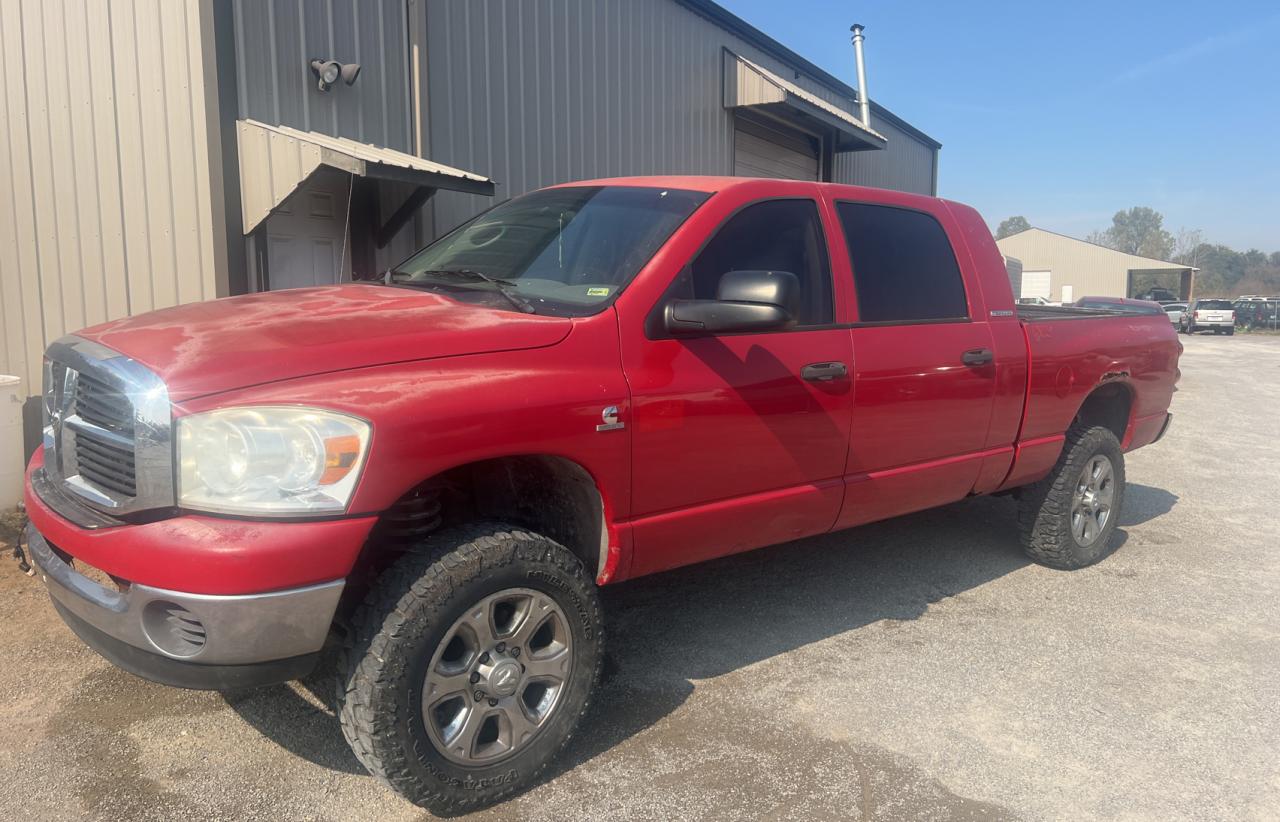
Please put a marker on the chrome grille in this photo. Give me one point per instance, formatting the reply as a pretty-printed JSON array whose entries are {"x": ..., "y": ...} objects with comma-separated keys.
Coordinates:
[
  {"x": 106, "y": 465},
  {"x": 106, "y": 428},
  {"x": 103, "y": 405}
]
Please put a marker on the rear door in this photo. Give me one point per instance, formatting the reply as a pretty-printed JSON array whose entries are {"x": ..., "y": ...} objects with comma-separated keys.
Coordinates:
[{"x": 924, "y": 367}]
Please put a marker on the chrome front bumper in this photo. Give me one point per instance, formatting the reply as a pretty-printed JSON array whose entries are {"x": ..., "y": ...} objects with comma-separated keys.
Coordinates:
[{"x": 191, "y": 640}]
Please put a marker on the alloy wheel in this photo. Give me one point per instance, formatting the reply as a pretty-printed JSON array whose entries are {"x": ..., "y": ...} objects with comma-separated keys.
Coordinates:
[
  {"x": 497, "y": 676},
  {"x": 1092, "y": 503}
]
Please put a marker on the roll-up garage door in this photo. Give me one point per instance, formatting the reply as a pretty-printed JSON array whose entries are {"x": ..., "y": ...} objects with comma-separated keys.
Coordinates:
[
  {"x": 1037, "y": 284},
  {"x": 762, "y": 149}
]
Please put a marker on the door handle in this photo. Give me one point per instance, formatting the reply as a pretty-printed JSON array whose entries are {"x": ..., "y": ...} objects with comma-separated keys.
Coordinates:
[
  {"x": 824, "y": 371},
  {"x": 977, "y": 356}
]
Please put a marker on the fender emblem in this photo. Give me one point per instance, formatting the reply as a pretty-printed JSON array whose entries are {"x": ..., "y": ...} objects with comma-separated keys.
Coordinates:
[{"x": 609, "y": 419}]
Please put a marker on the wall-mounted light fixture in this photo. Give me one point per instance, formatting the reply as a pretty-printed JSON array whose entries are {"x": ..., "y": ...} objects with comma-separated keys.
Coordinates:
[{"x": 329, "y": 72}]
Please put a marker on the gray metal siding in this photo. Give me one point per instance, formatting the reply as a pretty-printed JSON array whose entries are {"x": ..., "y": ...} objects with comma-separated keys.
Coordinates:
[
  {"x": 905, "y": 164},
  {"x": 275, "y": 40},
  {"x": 532, "y": 94}
]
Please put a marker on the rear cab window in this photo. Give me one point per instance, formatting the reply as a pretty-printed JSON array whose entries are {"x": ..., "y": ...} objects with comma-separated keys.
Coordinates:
[{"x": 904, "y": 268}]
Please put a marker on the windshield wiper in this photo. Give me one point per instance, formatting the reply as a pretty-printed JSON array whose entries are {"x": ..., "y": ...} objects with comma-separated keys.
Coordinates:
[{"x": 506, "y": 288}]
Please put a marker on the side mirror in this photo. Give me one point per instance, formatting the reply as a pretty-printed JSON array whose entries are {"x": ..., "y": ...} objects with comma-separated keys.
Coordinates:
[{"x": 745, "y": 301}]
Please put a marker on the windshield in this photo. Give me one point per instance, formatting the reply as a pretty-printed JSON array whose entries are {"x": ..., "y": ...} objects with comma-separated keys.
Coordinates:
[{"x": 560, "y": 251}]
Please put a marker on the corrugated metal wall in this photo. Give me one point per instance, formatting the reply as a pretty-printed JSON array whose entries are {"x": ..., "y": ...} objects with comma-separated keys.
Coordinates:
[
  {"x": 532, "y": 94},
  {"x": 1090, "y": 270},
  {"x": 106, "y": 205},
  {"x": 275, "y": 41},
  {"x": 905, "y": 163}
]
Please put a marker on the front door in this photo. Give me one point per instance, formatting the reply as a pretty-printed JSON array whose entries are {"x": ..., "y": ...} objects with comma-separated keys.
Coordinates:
[
  {"x": 305, "y": 235},
  {"x": 734, "y": 447}
]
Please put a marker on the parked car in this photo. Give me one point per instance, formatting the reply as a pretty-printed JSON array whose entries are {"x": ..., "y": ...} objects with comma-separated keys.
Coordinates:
[
  {"x": 1158, "y": 295},
  {"x": 1257, "y": 312},
  {"x": 1214, "y": 314},
  {"x": 1127, "y": 305},
  {"x": 585, "y": 384},
  {"x": 1174, "y": 311},
  {"x": 1033, "y": 301}
]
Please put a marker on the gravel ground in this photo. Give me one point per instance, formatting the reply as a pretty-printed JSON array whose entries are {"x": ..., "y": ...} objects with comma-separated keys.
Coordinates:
[{"x": 914, "y": 669}]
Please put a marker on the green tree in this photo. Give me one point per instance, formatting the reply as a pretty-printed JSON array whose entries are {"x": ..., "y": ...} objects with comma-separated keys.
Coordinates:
[
  {"x": 1140, "y": 230},
  {"x": 1012, "y": 226}
]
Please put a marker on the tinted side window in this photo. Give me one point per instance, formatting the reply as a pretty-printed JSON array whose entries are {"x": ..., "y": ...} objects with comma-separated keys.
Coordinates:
[
  {"x": 903, "y": 265},
  {"x": 774, "y": 235}
]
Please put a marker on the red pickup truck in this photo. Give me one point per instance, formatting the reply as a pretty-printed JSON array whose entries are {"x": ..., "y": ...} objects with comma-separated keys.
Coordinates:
[{"x": 582, "y": 385}]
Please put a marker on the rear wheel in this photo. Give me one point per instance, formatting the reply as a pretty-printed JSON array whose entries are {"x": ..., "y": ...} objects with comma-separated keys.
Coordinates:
[
  {"x": 470, "y": 665},
  {"x": 1068, "y": 518}
]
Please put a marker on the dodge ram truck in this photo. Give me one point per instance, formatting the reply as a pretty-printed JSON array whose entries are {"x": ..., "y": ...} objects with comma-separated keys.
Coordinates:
[{"x": 431, "y": 474}]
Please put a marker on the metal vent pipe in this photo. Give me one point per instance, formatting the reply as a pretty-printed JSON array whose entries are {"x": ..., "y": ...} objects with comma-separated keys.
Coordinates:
[{"x": 864, "y": 99}]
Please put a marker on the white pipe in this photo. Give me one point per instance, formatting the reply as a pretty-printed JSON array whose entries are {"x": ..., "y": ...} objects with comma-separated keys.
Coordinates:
[{"x": 864, "y": 99}]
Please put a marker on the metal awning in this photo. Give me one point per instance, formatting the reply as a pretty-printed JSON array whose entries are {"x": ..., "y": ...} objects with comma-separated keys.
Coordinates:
[
  {"x": 752, "y": 86},
  {"x": 276, "y": 160}
]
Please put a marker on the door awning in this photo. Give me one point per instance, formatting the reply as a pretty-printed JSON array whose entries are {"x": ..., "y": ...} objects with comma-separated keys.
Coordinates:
[
  {"x": 276, "y": 160},
  {"x": 752, "y": 86}
]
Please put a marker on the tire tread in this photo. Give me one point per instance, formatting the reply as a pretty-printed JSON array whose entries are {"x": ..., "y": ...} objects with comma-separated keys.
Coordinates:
[
  {"x": 1044, "y": 509},
  {"x": 418, "y": 587}
]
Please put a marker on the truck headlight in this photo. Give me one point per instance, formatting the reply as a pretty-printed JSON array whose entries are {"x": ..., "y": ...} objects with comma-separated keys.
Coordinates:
[{"x": 271, "y": 460}]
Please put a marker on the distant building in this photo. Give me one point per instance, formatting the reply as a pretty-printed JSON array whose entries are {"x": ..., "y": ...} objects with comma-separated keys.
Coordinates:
[{"x": 1063, "y": 269}]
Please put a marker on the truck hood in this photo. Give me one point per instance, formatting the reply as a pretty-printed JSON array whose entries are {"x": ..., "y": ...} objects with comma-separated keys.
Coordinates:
[{"x": 210, "y": 347}]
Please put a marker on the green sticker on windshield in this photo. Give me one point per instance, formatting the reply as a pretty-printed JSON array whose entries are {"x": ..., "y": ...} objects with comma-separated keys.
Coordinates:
[{"x": 597, "y": 291}]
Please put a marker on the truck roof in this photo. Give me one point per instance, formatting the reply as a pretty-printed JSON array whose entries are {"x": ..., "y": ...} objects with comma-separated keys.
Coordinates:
[{"x": 711, "y": 183}]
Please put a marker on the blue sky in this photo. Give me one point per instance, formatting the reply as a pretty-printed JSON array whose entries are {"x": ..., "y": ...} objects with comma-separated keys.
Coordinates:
[{"x": 1069, "y": 112}]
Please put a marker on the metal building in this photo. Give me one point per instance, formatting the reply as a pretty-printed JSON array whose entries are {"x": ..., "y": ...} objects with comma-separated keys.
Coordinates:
[
  {"x": 1059, "y": 268},
  {"x": 163, "y": 151}
]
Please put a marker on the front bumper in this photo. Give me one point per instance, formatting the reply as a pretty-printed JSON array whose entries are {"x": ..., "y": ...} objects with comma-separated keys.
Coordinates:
[{"x": 205, "y": 641}]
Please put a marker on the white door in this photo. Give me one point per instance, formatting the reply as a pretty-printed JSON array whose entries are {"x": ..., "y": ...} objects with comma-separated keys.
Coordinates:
[
  {"x": 1068, "y": 294},
  {"x": 305, "y": 235},
  {"x": 1036, "y": 284}
]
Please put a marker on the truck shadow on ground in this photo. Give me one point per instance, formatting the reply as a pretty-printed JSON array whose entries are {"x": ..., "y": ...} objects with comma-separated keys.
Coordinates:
[{"x": 670, "y": 630}]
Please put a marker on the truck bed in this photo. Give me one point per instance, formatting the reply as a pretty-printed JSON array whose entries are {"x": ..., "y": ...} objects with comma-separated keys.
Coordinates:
[
  {"x": 1135, "y": 354},
  {"x": 1040, "y": 313}
]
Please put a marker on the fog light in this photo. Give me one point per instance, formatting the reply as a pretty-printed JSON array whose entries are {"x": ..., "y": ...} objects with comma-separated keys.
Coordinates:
[{"x": 173, "y": 629}]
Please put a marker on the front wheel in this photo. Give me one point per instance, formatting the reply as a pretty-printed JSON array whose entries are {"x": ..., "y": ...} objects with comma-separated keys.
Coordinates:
[
  {"x": 1067, "y": 519},
  {"x": 470, "y": 665}
]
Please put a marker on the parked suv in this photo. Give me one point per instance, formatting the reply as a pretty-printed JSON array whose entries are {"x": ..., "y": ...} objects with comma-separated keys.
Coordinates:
[
  {"x": 1258, "y": 312},
  {"x": 1204, "y": 315}
]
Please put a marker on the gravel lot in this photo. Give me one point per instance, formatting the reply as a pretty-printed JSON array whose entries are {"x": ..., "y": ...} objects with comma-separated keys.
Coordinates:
[{"x": 914, "y": 669}]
